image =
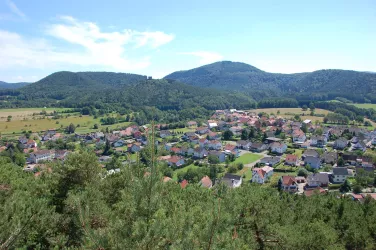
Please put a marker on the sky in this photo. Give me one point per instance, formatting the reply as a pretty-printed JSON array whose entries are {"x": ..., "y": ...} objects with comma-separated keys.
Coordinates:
[{"x": 156, "y": 38}]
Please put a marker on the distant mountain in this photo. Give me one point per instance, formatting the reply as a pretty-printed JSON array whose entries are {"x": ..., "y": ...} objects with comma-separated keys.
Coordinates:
[
  {"x": 68, "y": 89},
  {"x": 6, "y": 85},
  {"x": 319, "y": 85}
]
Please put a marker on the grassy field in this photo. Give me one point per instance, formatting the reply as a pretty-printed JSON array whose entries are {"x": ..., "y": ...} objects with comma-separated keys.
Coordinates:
[
  {"x": 248, "y": 158},
  {"x": 290, "y": 112},
  {"x": 24, "y": 113},
  {"x": 247, "y": 172},
  {"x": 181, "y": 170},
  {"x": 86, "y": 124},
  {"x": 364, "y": 105}
]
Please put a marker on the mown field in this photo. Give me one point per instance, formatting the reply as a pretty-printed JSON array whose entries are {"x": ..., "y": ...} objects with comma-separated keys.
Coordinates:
[
  {"x": 24, "y": 113},
  {"x": 290, "y": 112},
  {"x": 365, "y": 105},
  {"x": 23, "y": 120}
]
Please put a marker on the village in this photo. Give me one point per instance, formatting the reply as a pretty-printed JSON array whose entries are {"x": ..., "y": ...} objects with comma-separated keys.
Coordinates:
[{"x": 299, "y": 157}]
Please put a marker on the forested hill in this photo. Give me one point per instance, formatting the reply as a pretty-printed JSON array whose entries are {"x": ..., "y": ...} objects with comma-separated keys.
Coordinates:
[
  {"x": 5, "y": 85},
  {"x": 65, "y": 84},
  {"x": 317, "y": 85},
  {"x": 102, "y": 89}
]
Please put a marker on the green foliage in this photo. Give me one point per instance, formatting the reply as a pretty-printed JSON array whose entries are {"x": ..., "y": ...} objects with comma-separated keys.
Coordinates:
[
  {"x": 345, "y": 187},
  {"x": 227, "y": 135},
  {"x": 213, "y": 159}
]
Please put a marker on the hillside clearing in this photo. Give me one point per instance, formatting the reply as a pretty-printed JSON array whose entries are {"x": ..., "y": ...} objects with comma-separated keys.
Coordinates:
[{"x": 364, "y": 105}]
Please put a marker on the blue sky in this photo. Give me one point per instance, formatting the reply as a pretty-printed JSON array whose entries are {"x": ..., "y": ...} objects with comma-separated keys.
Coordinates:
[{"x": 156, "y": 38}]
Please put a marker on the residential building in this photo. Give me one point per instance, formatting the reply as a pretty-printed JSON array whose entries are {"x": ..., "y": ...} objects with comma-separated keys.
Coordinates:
[
  {"x": 202, "y": 130},
  {"x": 298, "y": 136},
  {"x": 220, "y": 155},
  {"x": 200, "y": 153},
  {"x": 260, "y": 175},
  {"x": 340, "y": 174},
  {"x": 243, "y": 144},
  {"x": 232, "y": 180},
  {"x": 41, "y": 155},
  {"x": 216, "y": 145},
  {"x": 289, "y": 184},
  {"x": 291, "y": 160},
  {"x": 318, "y": 180},
  {"x": 206, "y": 182},
  {"x": 164, "y": 133},
  {"x": 270, "y": 160},
  {"x": 318, "y": 141},
  {"x": 278, "y": 147},
  {"x": 258, "y": 147},
  {"x": 176, "y": 161},
  {"x": 340, "y": 143},
  {"x": 314, "y": 162}
]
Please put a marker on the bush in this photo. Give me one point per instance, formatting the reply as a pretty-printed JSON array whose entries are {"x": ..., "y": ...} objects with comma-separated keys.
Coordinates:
[
  {"x": 357, "y": 189},
  {"x": 196, "y": 163},
  {"x": 232, "y": 169}
]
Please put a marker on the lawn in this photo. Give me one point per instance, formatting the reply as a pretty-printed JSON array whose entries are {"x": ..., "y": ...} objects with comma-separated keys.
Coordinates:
[
  {"x": 247, "y": 172},
  {"x": 248, "y": 158},
  {"x": 181, "y": 170}
]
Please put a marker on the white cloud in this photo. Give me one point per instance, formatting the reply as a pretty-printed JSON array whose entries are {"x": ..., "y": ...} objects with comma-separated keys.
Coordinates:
[
  {"x": 104, "y": 49},
  {"x": 206, "y": 57},
  {"x": 13, "y": 7}
]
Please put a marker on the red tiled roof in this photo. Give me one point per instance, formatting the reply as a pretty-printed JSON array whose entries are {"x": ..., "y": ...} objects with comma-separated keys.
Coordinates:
[
  {"x": 291, "y": 158},
  {"x": 174, "y": 159},
  {"x": 260, "y": 172},
  {"x": 311, "y": 192},
  {"x": 206, "y": 182},
  {"x": 230, "y": 147},
  {"x": 183, "y": 184},
  {"x": 288, "y": 180}
]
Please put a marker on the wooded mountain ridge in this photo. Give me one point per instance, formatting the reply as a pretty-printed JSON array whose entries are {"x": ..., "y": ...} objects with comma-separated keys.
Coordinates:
[
  {"x": 6, "y": 85},
  {"x": 318, "y": 85}
]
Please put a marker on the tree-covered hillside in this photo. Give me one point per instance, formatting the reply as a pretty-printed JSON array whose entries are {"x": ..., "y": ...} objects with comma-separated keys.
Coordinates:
[
  {"x": 99, "y": 89},
  {"x": 318, "y": 85}
]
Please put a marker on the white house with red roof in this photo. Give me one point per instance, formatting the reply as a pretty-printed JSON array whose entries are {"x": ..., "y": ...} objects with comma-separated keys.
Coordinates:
[
  {"x": 291, "y": 160},
  {"x": 216, "y": 145},
  {"x": 260, "y": 175},
  {"x": 289, "y": 184},
  {"x": 298, "y": 136},
  {"x": 176, "y": 161},
  {"x": 206, "y": 182},
  {"x": 278, "y": 147}
]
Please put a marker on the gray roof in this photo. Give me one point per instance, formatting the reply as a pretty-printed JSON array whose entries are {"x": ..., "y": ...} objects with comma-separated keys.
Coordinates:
[
  {"x": 340, "y": 171},
  {"x": 231, "y": 176},
  {"x": 312, "y": 159}
]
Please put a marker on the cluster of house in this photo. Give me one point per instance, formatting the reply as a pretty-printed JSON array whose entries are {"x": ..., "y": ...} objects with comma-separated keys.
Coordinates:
[{"x": 205, "y": 141}]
